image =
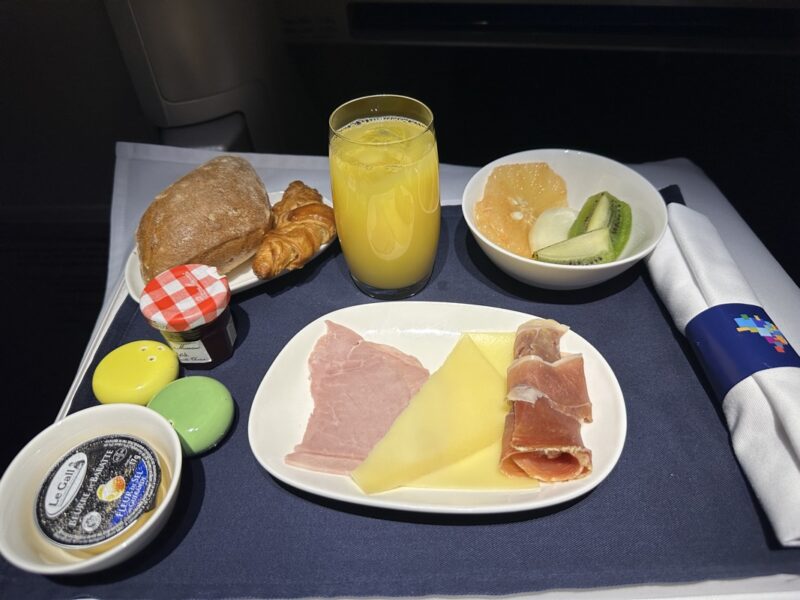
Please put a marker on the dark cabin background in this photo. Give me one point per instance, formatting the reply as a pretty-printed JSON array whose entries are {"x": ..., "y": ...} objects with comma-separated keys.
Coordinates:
[{"x": 636, "y": 81}]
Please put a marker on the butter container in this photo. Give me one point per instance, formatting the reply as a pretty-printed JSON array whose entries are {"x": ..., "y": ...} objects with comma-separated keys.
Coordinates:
[
  {"x": 98, "y": 491},
  {"x": 50, "y": 459}
]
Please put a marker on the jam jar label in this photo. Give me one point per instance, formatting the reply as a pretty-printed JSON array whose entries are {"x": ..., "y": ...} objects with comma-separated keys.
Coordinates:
[
  {"x": 205, "y": 344},
  {"x": 98, "y": 490},
  {"x": 190, "y": 352}
]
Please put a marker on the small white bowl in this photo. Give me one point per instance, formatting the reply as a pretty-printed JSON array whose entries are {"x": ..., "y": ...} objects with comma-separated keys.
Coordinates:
[
  {"x": 20, "y": 541},
  {"x": 585, "y": 174}
]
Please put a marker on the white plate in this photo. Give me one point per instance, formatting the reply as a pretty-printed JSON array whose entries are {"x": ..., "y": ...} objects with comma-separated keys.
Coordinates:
[
  {"x": 240, "y": 279},
  {"x": 427, "y": 330}
]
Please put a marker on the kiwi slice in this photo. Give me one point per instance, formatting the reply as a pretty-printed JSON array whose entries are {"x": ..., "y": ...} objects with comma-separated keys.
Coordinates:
[
  {"x": 590, "y": 248},
  {"x": 605, "y": 210}
]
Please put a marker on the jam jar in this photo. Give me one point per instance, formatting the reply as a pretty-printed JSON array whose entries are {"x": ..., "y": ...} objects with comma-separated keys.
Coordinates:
[{"x": 189, "y": 305}]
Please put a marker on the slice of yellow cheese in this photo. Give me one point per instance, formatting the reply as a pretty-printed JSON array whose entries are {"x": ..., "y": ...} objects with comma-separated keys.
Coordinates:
[
  {"x": 480, "y": 470},
  {"x": 496, "y": 347},
  {"x": 451, "y": 417},
  {"x": 459, "y": 412}
]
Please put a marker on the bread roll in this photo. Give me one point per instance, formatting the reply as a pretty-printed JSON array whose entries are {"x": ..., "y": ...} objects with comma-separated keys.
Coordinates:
[{"x": 216, "y": 215}]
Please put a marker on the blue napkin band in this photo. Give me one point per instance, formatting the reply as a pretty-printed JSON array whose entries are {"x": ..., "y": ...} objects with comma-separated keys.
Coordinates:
[{"x": 733, "y": 341}]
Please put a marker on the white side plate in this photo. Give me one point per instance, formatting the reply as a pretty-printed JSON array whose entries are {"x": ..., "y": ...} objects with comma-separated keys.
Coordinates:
[
  {"x": 427, "y": 330},
  {"x": 240, "y": 279}
]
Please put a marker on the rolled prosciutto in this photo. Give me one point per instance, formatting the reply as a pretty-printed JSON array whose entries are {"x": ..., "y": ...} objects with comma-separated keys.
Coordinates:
[
  {"x": 550, "y": 401},
  {"x": 540, "y": 337}
]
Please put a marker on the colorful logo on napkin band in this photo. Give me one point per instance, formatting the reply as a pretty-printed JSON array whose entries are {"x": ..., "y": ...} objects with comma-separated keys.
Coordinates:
[
  {"x": 728, "y": 353},
  {"x": 765, "y": 329}
]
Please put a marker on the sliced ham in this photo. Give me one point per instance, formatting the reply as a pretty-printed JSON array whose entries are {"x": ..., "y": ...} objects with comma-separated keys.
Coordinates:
[
  {"x": 550, "y": 400},
  {"x": 358, "y": 388}
]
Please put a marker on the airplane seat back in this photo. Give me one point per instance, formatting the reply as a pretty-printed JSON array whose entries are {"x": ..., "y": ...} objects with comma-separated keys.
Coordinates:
[{"x": 205, "y": 71}]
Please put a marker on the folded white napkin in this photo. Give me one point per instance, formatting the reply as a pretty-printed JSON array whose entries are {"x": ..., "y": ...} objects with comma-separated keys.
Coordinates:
[{"x": 693, "y": 271}]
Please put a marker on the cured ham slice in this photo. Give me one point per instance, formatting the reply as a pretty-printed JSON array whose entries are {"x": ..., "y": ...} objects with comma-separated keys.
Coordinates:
[
  {"x": 540, "y": 337},
  {"x": 563, "y": 382},
  {"x": 542, "y": 442},
  {"x": 359, "y": 388},
  {"x": 542, "y": 435}
]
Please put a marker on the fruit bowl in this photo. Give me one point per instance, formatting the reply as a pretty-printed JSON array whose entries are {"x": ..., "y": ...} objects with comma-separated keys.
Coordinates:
[{"x": 585, "y": 175}]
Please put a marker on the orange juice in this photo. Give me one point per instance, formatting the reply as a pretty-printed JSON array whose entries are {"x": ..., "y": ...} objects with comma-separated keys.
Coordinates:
[{"x": 385, "y": 184}]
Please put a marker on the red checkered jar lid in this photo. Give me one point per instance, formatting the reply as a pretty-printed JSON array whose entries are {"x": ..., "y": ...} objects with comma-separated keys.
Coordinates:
[{"x": 185, "y": 297}]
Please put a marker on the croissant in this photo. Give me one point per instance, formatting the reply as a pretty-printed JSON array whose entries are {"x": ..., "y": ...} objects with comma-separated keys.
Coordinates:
[
  {"x": 297, "y": 194},
  {"x": 302, "y": 223}
]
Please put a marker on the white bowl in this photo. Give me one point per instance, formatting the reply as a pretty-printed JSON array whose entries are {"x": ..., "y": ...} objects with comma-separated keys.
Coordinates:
[
  {"x": 20, "y": 541},
  {"x": 585, "y": 174}
]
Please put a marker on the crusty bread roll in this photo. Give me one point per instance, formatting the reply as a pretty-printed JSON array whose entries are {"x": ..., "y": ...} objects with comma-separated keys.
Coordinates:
[{"x": 216, "y": 215}]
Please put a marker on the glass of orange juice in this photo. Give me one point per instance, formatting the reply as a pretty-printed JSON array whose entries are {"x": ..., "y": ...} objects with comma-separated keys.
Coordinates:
[{"x": 385, "y": 183}]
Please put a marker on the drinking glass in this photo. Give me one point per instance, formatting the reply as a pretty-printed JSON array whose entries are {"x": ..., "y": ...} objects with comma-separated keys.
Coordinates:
[{"x": 385, "y": 182}]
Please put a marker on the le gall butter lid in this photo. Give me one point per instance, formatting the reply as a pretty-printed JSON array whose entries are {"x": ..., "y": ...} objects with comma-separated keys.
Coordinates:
[
  {"x": 97, "y": 491},
  {"x": 185, "y": 297}
]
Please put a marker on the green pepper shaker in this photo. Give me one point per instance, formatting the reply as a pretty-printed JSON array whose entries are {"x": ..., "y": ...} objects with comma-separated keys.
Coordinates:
[{"x": 199, "y": 408}]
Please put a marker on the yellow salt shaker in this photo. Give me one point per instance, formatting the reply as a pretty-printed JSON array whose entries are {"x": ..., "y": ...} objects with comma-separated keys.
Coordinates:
[{"x": 134, "y": 372}]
